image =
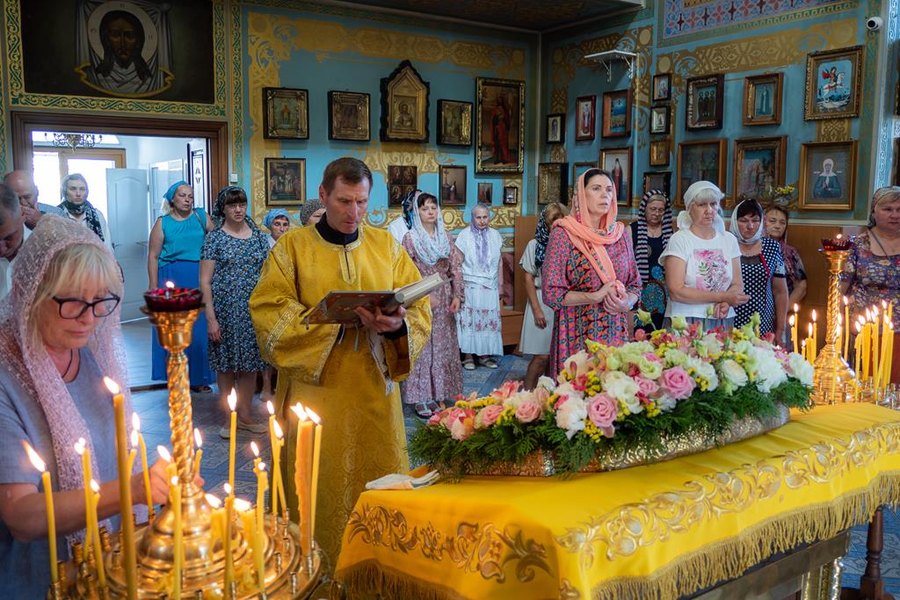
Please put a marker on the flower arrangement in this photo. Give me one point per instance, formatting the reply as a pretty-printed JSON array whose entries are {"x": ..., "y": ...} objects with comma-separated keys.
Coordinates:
[{"x": 617, "y": 400}]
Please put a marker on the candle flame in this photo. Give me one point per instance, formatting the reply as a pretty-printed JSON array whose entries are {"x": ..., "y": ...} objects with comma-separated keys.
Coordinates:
[
  {"x": 313, "y": 416},
  {"x": 791, "y": 320},
  {"x": 270, "y": 407},
  {"x": 170, "y": 285},
  {"x": 111, "y": 385},
  {"x": 840, "y": 235},
  {"x": 135, "y": 422},
  {"x": 261, "y": 466},
  {"x": 278, "y": 431},
  {"x": 809, "y": 326},
  {"x": 884, "y": 304},
  {"x": 134, "y": 438},
  {"x": 242, "y": 505},
  {"x": 858, "y": 327},
  {"x": 34, "y": 457},
  {"x": 814, "y": 315},
  {"x": 227, "y": 487},
  {"x": 796, "y": 308},
  {"x": 174, "y": 480},
  {"x": 844, "y": 298},
  {"x": 213, "y": 501},
  {"x": 299, "y": 411},
  {"x": 232, "y": 400},
  {"x": 198, "y": 439},
  {"x": 255, "y": 448},
  {"x": 95, "y": 486},
  {"x": 163, "y": 453},
  {"x": 80, "y": 446}
]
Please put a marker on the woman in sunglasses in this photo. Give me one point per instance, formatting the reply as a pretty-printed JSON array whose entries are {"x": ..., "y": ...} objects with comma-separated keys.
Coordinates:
[{"x": 59, "y": 335}]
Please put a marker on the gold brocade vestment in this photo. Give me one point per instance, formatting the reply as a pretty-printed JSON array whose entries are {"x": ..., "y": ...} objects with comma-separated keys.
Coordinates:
[{"x": 338, "y": 376}]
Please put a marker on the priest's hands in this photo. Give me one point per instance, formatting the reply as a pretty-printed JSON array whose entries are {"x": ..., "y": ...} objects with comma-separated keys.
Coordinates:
[{"x": 380, "y": 322}]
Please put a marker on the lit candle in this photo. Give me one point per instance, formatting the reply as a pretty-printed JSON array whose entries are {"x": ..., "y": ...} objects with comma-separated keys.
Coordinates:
[
  {"x": 85, "y": 453},
  {"x": 198, "y": 439},
  {"x": 815, "y": 333},
  {"x": 262, "y": 485},
  {"x": 890, "y": 351},
  {"x": 175, "y": 496},
  {"x": 95, "y": 519},
  {"x": 39, "y": 464},
  {"x": 857, "y": 348},
  {"x": 847, "y": 330},
  {"x": 130, "y": 564},
  {"x": 792, "y": 321},
  {"x": 136, "y": 428},
  {"x": 229, "y": 517},
  {"x": 248, "y": 521},
  {"x": 232, "y": 404},
  {"x": 171, "y": 468},
  {"x": 317, "y": 444},
  {"x": 303, "y": 476},
  {"x": 875, "y": 342},
  {"x": 278, "y": 482},
  {"x": 169, "y": 287},
  {"x": 216, "y": 518},
  {"x": 273, "y": 497},
  {"x": 810, "y": 344}
]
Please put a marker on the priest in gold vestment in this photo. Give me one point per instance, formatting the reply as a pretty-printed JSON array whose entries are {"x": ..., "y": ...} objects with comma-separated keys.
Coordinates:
[{"x": 346, "y": 375}]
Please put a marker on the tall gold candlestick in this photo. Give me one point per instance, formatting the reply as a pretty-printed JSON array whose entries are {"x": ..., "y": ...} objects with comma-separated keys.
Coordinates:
[{"x": 830, "y": 368}]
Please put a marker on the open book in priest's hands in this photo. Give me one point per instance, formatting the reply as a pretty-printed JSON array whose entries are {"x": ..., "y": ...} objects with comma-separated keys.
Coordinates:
[{"x": 340, "y": 307}]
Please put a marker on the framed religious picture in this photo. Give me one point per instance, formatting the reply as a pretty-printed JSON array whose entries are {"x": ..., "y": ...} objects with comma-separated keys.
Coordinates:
[
  {"x": 285, "y": 114},
  {"x": 510, "y": 195},
  {"x": 452, "y": 185},
  {"x": 659, "y": 153},
  {"x": 579, "y": 168},
  {"x": 556, "y": 128},
  {"x": 401, "y": 179},
  {"x": 762, "y": 99},
  {"x": 658, "y": 180},
  {"x": 662, "y": 87},
  {"x": 485, "y": 192},
  {"x": 659, "y": 119},
  {"x": 553, "y": 182},
  {"x": 703, "y": 109},
  {"x": 616, "y": 114},
  {"x": 702, "y": 160},
  {"x": 585, "y": 118},
  {"x": 832, "y": 83},
  {"x": 285, "y": 181},
  {"x": 758, "y": 166},
  {"x": 348, "y": 116},
  {"x": 454, "y": 123},
  {"x": 827, "y": 175},
  {"x": 404, "y": 105},
  {"x": 617, "y": 162},
  {"x": 499, "y": 125}
]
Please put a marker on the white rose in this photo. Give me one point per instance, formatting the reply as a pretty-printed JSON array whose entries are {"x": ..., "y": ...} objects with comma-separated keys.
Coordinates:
[
  {"x": 769, "y": 371},
  {"x": 546, "y": 383},
  {"x": 666, "y": 403},
  {"x": 801, "y": 369},
  {"x": 733, "y": 373},
  {"x": 571, "y": 415},
  {"x": 623, "y": 388}
]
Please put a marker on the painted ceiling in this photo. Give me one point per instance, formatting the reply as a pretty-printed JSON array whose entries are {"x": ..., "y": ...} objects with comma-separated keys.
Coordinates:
[{"x": 532, "y": 15}]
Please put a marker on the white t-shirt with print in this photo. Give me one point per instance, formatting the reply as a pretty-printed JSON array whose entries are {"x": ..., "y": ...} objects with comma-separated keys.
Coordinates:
[{"x": 709, "y": 268}]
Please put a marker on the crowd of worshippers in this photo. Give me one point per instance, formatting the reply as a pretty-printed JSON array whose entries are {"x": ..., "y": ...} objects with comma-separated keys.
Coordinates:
[{"x": 586, "y": 273}]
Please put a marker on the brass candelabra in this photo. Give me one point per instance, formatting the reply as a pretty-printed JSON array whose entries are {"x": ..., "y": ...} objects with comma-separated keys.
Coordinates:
[
  {"x": 288, "y": 573},
  {"x": 832, "y": 372}
]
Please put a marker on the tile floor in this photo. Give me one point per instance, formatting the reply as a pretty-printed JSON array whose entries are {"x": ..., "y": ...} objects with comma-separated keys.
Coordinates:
[{"x": 152, "y": 405}]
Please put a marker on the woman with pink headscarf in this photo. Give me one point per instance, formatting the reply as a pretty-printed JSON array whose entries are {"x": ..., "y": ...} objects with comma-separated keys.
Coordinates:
[
  {"x": 590, "y": 278},
  {"x": 59, "y": 335}
]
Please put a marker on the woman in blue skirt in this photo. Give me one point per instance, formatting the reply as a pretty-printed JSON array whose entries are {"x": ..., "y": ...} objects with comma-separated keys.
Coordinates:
[{"x": 175, "y": 243}]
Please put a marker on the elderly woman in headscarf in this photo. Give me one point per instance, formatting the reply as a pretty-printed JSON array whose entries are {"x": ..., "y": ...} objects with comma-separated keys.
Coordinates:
[
  {"x": 277, "y": 221},
  {"x": 590, "y": 277},
  {"x": 230, "y": 264},
  {"x": 478, "y": 322},
  {"x": 74, "y": 206},
  {"x": 399, "y": 226},
  {"x": 872, "y": 271},
  {"x": 537, "y": 323},
  {"x": 776, "y": 222},
  {"x": 436, "y": 375},
  {"x": 174, "y": 255},
  {"x": 59, "y": 334},
  {"x": 650, "y": 234},
  {"x": 311, "y": 213},
  {"x": 762, "y": 272},
  {"x": 702, "y": 262}
]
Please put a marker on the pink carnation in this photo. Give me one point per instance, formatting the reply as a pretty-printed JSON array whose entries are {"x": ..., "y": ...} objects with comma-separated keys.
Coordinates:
[
  {"x": 677, "y": 383},
  {"x": 528, "y": 411},
  {"x": 602, "y": 411},
  {"x": 646, "y": 387},
  {"x": 488, "y": 415},
  {"x": 640, "y": 335}
]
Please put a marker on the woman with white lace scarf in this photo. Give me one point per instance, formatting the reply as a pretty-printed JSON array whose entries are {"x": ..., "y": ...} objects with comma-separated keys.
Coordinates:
[
  {"x": 75, "y": 206},
  {"x": 478, "y": 322},
  {"x": 59, "y": 335}
]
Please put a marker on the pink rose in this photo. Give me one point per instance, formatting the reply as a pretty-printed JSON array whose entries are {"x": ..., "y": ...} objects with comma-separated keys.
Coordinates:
[
  {"x": 602, "y": 411},
  {"x": 677, "y": 383},
  {"x": 528, "y": 411},
  {"x": 487, "y": 416},
  {"x": 646, "y": 387},
  {"x": 506, "y": 390},
  {"x": 454, "y": 414},
  {"x": 640, "y": 335},
  {"x": 541, "y": 395}
]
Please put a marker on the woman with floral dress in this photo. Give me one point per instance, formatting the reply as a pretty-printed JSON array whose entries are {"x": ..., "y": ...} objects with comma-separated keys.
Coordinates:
[
  {"x": 589, "y": 278},
  {"x": 650, "y": 234},
  {"x": 437, "y": 374},
  {"x": 872, "y": 272},
  {"x": 230, "y": 263}
]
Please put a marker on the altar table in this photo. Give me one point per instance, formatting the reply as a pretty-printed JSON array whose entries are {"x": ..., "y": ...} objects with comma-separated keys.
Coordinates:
[{"x": 662, "y": 530}]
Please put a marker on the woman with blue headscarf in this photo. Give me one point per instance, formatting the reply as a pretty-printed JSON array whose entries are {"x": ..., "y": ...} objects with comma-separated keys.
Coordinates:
[
  {"x": 277, "y": 221},
  {"x": 174, "y": 255}
]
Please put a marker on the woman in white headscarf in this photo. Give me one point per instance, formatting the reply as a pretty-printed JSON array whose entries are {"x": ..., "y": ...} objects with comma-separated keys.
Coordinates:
[
  {"x": 762, "y": 272},
  {"x": 702, "y": 263},
  {"x": 436, "y": 375}
]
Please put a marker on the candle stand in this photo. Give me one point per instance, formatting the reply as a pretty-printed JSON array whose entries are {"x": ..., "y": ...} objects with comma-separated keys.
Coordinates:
[
  {"x": 832, "y": 372},
  {"x": 288, "y": 574}
]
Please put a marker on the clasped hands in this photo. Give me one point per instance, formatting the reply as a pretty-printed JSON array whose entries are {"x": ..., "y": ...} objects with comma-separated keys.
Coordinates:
[
  {"x": 381, "y": 322},
  {"x": 613, "y": 297},
  {"x": 732, "y": 298}
]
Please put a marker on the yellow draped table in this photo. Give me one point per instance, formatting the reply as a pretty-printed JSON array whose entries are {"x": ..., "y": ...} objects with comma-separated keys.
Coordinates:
[{"x": 670, "y": 528}]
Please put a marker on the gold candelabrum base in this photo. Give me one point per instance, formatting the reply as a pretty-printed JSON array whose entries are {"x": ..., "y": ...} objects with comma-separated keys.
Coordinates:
[
  {"x": 832, "y": 372},
  {"x": 288, "y": 573}
]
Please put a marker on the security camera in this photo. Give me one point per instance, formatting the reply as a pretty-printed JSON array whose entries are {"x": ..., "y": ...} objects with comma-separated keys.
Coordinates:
[{"x": 874, "y": 23}]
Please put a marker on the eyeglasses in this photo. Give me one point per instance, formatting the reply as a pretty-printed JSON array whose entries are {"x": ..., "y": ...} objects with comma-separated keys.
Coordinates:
[{"x": 73, "y": 308}]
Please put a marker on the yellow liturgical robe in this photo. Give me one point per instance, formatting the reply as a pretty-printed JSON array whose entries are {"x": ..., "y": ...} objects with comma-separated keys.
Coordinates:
[{"x": 348, "y": 379}]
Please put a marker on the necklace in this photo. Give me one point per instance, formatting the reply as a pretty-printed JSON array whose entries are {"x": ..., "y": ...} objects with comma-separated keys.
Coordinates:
[
  {"x": 880, "y": 245},
  {"x": 69, "y": 366}
]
